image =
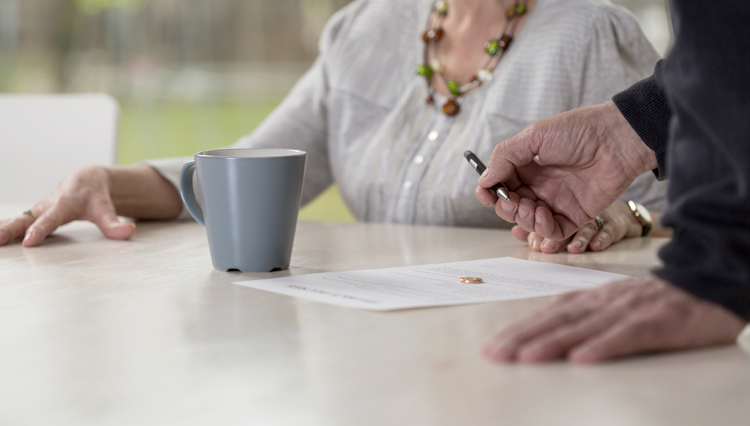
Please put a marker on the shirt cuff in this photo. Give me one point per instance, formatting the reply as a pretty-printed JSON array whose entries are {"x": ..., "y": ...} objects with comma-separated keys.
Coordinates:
[{"x": 169, "y": 169}]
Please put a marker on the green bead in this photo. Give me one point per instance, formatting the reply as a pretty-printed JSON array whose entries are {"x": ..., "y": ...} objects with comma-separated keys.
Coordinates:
[
  {"x": 425, "y": 71},
  {"x": 453, "y": 87},
  {"x": 520, "y": 9},
  {"x": 492, "y": 47},
  {"x": 441, "y": 7}
]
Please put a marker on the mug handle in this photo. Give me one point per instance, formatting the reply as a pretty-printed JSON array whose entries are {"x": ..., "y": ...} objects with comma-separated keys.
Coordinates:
[{"x": 187, "y": 193}]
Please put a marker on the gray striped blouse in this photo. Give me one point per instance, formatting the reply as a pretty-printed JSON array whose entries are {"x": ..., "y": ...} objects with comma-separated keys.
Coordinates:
[{"x": 361, "y": 115}]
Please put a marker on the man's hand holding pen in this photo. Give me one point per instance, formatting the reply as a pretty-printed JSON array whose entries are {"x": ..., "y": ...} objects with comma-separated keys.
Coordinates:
[
  {"x": 562, "y": 172},
  {"x": 565, "y": 170}
]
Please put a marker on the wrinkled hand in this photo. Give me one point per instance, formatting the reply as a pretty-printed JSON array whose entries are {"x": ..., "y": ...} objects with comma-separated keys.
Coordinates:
[
  {"x": 565, "y": 170},
  {"x": 82, "y": 195},
  {"x": 619, "y": 223},
  {"x": 623, "y": 318}
]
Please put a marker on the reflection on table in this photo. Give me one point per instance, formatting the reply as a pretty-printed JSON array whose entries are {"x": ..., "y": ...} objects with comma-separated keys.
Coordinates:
[{"x": 145, "y": 332}]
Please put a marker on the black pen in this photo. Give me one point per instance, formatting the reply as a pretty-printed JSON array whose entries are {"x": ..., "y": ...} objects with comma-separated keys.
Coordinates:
[{"x": 500, "y": 189}]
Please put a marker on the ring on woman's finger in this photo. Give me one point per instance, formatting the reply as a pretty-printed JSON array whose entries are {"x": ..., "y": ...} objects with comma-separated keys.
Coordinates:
[
  {"x": 599, "y": 223},
  {"x": 30, "y": 213}
]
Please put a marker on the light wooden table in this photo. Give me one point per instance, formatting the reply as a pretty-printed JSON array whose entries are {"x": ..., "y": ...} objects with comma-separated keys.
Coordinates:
[{"x": 145, "y": 332}]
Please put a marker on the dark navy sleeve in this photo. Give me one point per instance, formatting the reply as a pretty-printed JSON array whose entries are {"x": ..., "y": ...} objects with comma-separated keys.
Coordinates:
[
  {"x": 646, "y": 107},
  {"x": 706, "y": 78},
  {"x": 694, "y": 113}
]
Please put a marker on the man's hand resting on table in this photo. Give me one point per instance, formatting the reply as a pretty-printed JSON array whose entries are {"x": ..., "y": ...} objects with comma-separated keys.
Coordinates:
[
  {"x": 565, "y": 170},
  {"x": 623, "y": 318}
]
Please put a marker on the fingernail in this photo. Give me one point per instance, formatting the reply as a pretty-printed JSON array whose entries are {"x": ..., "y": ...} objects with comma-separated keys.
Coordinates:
[
  {"x": 535, "y": 244},
  {"x": 548, "y": 245},
  {"x": 506, "y": 206},
  {"x": 538, "y": 218},
  {"x": 530, "y": 353},
  {"x": 597, "y": 244},
  {"x": 484, "y": 174},
  {"x": 577, "y": 244},
  {"x": 522, "y": 213},
  {"x": 499, "y": 350},
  {"x": 29, "y": 235},
  {"x": 581, "y": 354}
]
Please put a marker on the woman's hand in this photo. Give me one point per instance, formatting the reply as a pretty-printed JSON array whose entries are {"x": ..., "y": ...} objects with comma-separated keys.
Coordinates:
[
  {"x": 97, "y": 194},
  {"x": 619, "y": 223}
]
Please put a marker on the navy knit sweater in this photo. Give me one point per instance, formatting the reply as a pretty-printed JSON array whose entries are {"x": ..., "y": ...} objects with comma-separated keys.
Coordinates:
[{"x": 694, "y": 112}]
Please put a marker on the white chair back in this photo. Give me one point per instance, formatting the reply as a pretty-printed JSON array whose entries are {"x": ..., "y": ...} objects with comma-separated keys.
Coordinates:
[{"x": 45, "y": 137}]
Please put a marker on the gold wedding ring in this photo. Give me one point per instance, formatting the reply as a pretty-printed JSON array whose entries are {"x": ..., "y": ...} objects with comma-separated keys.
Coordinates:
[
  {"x": 30, "y": 213},
  {"x": 471, "y": 280}
]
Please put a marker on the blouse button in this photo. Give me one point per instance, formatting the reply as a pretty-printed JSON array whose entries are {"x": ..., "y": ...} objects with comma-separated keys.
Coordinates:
[
  {"x": 407, "y": 184},
  {"x": 418, "y": 159},
  {"x": 433, "y": 135}
]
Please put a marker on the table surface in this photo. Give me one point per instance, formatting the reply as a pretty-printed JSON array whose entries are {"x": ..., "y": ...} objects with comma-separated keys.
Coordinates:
[{"x": 146, "y": 332}]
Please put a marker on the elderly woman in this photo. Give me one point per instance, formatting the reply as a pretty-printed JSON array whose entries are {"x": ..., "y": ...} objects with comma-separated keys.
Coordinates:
[{"x": 392, "y": 139}]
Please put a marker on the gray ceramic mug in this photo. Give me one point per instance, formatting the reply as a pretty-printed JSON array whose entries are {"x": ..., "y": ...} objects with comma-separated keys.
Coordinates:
[{"x": 250, "y": 201}]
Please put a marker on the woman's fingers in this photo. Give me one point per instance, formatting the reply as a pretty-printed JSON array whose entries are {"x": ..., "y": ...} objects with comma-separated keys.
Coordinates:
[
  {"x": 535, "y": 221},
  {"x": 104, "y": 216},
  {"x": 617, "y": 221},
  {"x": 14, "y": 228},
  {"x": 39, "y": 230},
  {"x": 535, "y": 241},
  {"x": 82, "y": 195},
  {"x": 588, "y": 237},
  {"x": 612, "y": 231},
  {"x": 520, "y": 233},
  {"x": 582, "y": 238},
  {"x": 552, "y": 246},
  {"x": 50, "y": 219}
]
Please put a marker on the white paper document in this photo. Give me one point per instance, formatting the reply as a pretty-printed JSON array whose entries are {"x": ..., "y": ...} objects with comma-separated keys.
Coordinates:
[{"x": 504, "y": 278}]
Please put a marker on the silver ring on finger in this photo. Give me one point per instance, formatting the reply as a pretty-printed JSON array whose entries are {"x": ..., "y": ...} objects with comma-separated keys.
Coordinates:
[
  {"x": 30, "y": 213},
  {"x": 599, "y": 223}
]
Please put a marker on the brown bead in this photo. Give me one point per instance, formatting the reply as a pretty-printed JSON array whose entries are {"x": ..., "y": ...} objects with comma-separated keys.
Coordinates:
[
  {"x": 429, "y": 99},
  {"x": 473, "y": 78},
  {"x": 510, "y": 12},
  {"x": 433, "y": 35},
  {"x": 450, "y": 107},
  {"x": 505, "y": 41}
]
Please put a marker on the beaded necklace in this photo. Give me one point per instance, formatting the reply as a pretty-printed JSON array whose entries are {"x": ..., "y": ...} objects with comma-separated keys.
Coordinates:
[{"x": 494, "y": 49}]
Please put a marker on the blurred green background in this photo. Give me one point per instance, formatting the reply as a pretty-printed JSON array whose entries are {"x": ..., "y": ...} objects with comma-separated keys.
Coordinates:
[
  {"x": 189, "y": 75},
  {"x": 167, "y": 129}
]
